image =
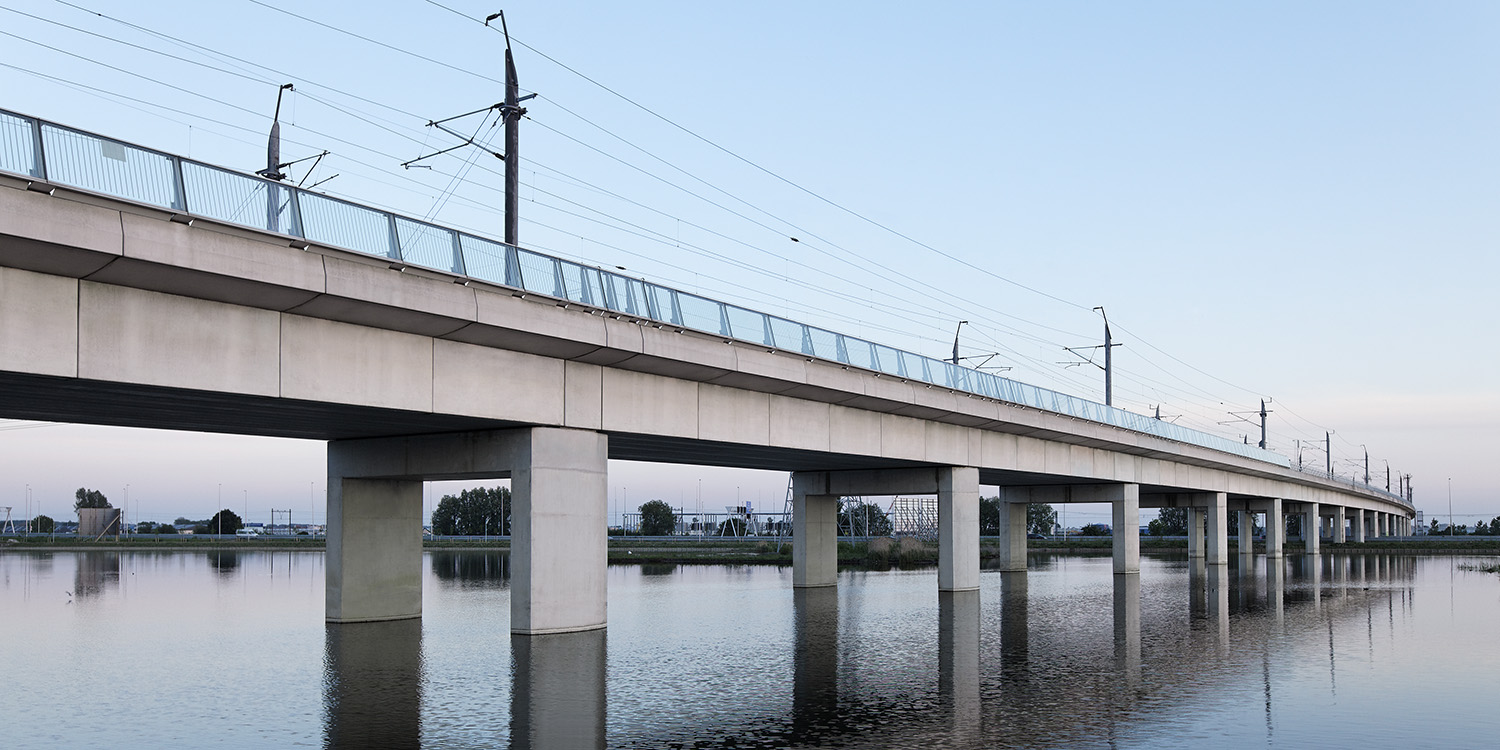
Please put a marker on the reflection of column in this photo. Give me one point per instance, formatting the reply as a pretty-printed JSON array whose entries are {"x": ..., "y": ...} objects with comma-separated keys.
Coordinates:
[
  {"x": 372, "y": 684},
  {"x": 815, "y": 556},
  {"x": 1218, "y": 601},
  {"x": 958, "y": 529},
  {"x": 1315, "y": 578},
  {"x": 557, "y": 698},
  {"x": 1126, "y": 535},
  {"x": 1014, "y": 619},
  {"x": 1197, "y": 588},
  {"x": 958, "y": 659},
  {"x": 1128, "y": 626},
  {"x": 1012, "y": 534},
  {"x": 1338, "y": 524},
  {"x": 815, "y": 662},
  {"x": 1195, "y": 531},
  {"x": 1276, "y": 588},
  {"x": 1244, "y": 588}
]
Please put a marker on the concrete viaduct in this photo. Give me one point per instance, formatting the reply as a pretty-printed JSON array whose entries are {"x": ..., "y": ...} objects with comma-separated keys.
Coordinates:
[{"x": 122, "y": 308}]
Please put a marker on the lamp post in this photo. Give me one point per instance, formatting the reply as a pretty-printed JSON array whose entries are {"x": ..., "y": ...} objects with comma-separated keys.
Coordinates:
[{"x": 1450, "y": 506}]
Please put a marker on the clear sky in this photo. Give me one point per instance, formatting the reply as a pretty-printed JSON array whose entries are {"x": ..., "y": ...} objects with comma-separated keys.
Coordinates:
[{"x": 1286, "y": 200}]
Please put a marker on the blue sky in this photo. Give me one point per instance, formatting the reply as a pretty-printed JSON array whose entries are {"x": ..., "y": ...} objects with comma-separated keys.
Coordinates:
[{"x": 1273, "y": 199}]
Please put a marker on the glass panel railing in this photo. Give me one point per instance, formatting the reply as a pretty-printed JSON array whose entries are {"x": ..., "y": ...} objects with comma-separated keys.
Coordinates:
[
  {"x": 337, "y": 223},
  {"x": 485, "y": 260},
  {"x": 238, "y": 199},
  {"x": 747, "y": 325},
  {"x": 423, "y": 244},
  {"x": 18, "y": 145},
  {"x": 106, "y": 166}
]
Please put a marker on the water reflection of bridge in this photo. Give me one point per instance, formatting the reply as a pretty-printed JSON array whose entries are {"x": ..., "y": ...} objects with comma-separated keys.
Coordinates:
[{"x": 985, "y": 689}]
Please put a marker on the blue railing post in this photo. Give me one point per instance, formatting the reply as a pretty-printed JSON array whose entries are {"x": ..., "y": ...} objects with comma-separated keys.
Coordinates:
[{"x": 395, "y": 251}]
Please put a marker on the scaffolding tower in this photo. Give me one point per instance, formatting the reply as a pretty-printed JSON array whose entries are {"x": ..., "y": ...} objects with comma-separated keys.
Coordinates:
[{"x": 914, "y": 517}]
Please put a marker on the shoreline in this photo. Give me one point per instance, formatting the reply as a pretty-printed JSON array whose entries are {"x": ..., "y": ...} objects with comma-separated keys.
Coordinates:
[{"x": 658, "y": 551}]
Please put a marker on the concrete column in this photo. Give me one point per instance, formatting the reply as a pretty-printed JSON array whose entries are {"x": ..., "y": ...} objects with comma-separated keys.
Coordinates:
[
  {"x": 1127, "y": 530},
  {"x": 557, "y": 698},
  {"x": 1275, "y": 529},
  {"x": 559, "y": 532},
  {"x": 1359, "y": 524},
  {"x": 1245, "y": 519},
  {"x": 815, "y": 528},
  {"x": 1312, "y": 520},
  {"x": 958, "y": 529},
  {"x": 373, "y": 560},
  {"x": 1385, "y": 523},
  {"x": 1218, "y": 528},
  {"x": 1195, "y": 531},
  {"x": 1012, "y": 535},
  {"x": 1338, "y": 524}
]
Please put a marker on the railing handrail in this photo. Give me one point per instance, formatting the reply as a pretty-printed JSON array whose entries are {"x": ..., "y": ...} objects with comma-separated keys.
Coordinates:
[{"x": 318, "y": 218}]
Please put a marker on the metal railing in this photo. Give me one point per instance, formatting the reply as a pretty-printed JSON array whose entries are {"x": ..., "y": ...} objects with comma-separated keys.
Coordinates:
[{"x": 53, "y": 153}]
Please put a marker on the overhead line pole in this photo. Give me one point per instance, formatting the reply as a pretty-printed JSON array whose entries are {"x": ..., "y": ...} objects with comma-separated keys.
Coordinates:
[{"x": 513, "y": 114}]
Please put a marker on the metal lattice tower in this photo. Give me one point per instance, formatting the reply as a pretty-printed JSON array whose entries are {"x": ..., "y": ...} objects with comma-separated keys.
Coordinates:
[
  {"x": 10, "y": 526},
  {"x": 914, "y": 517}
]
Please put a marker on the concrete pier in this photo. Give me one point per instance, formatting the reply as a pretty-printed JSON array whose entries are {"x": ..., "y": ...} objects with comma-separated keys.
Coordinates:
[
  {"x": 558, "y": 522},
  {"x": 1339, "y": 524},
  {"x": 1127, "y": 529},
  {"x": 1359, "y": 524},
  {"x": 1312, "y": 523},
  {"x": 1195, "y": 516},
  {"x": 1245, "y": 521},
  {"x": 1275, "y": 528},
  {"x": 1012, "y": 535},
  {"x": 815, "y": 517},
  {"x": 958, "y": 529},
  {"x": 374, "y": 554},
  {"x": 1218, "y": 527}
]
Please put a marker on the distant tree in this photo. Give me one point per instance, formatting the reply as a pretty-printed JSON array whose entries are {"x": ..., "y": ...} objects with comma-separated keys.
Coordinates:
[
  {"x": 1433, "y": 529},
  {"x": 732, "y": 526},
  {"x": 1481, "y": 528},
  {"x": 43, "y": 524},
  {"x": 1041, "y": 518},
  {"x": 989, "y": 516},
  {"x": 181, "y": 521},
  {"x": 657, "y": 518},
  {"x": 1495, "y": 526},
  {"x": 223, "y": 522},
  {"x": 165, "y": 528},
  {"x": 1169, "y": 522},
  {"x": 1094, "y": 529},
  {"x": 482, "y": 510},
  {"x": 145, "y": 527},
  {"x": 864, "y": 519},
  {"x": 87, "y": 498},
  {"x": 1294, "y": 525}
]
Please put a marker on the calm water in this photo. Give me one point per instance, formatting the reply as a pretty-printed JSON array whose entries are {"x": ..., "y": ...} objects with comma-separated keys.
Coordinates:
[{"x": 180, "y": 649}]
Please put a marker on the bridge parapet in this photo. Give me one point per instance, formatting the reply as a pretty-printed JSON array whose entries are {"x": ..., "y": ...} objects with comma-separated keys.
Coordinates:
[{"x": 48, "y": 154}]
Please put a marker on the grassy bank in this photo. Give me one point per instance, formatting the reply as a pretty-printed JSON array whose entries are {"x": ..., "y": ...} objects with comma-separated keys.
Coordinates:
[{"x": 876, "y": 554}]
